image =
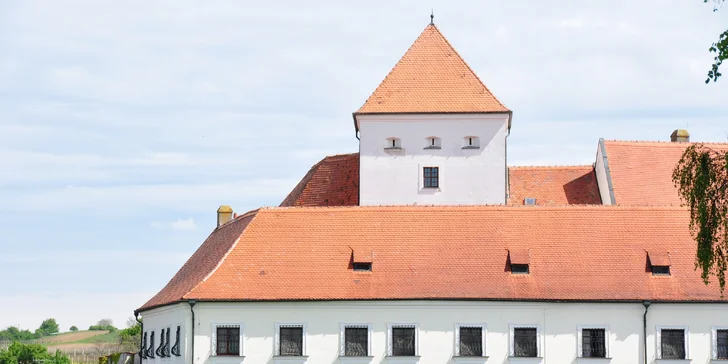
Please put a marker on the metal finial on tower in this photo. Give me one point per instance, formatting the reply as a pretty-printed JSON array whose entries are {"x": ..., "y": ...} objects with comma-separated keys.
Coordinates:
[{"x": 432, "y": 17}]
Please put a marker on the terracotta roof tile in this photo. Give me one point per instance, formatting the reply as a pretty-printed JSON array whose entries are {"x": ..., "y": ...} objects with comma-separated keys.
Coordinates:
[
  {"x": 519, "y": 256},
  {"x": 554, "y": 185},
  {"x": 334, "y": 181},
  {"x": 642, "y": 171},
  {"x": 658, "y": 257},
  {"x": 450, "y": 252},
  {"x": 431, "y": 77}
]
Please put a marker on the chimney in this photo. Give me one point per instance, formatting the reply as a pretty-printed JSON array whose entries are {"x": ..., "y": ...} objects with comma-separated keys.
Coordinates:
[
  {"x": 224, "y": 214},
  {"x": 680, "y": 136}
]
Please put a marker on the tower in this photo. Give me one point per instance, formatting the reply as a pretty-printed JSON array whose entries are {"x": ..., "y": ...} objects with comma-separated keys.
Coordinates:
[{"x": 432, "y": 132}]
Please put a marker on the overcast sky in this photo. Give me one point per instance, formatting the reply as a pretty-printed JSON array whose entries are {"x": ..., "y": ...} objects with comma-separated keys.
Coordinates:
[{"x": 125, "y": 124}]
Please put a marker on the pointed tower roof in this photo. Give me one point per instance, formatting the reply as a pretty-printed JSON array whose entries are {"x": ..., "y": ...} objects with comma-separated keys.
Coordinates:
[{"x": 431, "y": 77}]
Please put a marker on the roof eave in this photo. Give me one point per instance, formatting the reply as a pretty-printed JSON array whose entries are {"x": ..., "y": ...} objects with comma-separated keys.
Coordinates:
[{"x": 357, "y": 113}]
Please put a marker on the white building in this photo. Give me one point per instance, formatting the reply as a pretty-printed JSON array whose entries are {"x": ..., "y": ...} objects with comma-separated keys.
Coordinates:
[{"x": 426, "y": 247}]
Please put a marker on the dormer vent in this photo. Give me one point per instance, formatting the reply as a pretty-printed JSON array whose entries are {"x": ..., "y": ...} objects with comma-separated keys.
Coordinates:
[
  {"x": 529, "y": 201},
  {"x": 659, "y": 263},
  {"x": 519, "y": 261},
  {"x": 361, "y": 260}
]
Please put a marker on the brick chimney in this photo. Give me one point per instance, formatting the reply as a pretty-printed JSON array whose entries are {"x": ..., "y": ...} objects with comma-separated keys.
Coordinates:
[
  {"x": 224, "y": 214},
  {"x": 680, "y": 136}
]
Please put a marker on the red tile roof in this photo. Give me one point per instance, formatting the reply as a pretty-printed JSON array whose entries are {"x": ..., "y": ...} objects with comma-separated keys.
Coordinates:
[
  {"x": 641, "y": 172},
  {"x": 334, "y": 181},
  {"x": 431, "y": 77},
  {"x": 554, "y": 185},
  {"x": 444, "y": 252}
]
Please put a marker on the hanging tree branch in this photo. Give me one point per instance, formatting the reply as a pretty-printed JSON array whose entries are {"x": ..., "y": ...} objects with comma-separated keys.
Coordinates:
[{"x": 701, "y": 177}]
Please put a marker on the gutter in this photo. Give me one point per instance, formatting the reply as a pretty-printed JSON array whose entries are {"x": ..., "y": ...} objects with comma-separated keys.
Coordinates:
[
  {"x": 192, "y": 354},
  {"x": 644, "y": 328},
  {"x": 141, "y": 337}
]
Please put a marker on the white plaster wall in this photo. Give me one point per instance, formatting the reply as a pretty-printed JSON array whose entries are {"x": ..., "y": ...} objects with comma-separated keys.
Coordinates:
[
  {"x": 602, "y": 177},
  {"x": 467, "y": 176},
  {"x": 164, "y": 317},
  {"x": 558, "y": 322}
]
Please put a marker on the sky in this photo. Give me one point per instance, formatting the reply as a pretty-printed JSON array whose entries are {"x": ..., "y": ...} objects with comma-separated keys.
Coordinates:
[{"x": 125, "y": 124}]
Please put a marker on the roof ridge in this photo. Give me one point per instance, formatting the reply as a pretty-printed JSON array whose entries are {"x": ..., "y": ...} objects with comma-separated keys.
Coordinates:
[
  {"x": 662, "y": 142},
  {"x": 253, "y": 214},
  {"x": 557, "y": 166},
  {"x": 559, "y": 207}
]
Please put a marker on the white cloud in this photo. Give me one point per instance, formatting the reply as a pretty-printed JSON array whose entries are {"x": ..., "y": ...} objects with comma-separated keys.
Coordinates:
[{"x": 184, "y": 224}]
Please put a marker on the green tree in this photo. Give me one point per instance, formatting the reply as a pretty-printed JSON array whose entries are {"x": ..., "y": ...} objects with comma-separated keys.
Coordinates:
[
  {"x": 131, "y": 336},
  {"x": 73, "y": 328},
  {"x": 720, "y": 48},
  {"x": 13, "y": 333},
  {"x": 701, "y": 177},
  {"x": 18, "y": 353},
  {"x": 48, "y": 327}
]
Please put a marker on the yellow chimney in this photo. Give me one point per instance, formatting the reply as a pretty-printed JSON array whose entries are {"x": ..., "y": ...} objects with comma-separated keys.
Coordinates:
[{"x": 224, "y": 214}]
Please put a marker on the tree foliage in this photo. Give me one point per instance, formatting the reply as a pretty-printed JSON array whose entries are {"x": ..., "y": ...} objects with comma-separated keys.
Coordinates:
[
  {"x": 18, "y": 353},
  {"x": 73, "y": 328},
  {"x": 48, "y": 327},
  {"x": 720, "y": 48},
  {"x": 103, "y": 325},
  {"x": 701, "y": 177},
  {"x": 14, "y": 334}
]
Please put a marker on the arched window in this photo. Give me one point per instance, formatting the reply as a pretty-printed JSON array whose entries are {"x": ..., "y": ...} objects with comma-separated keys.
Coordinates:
[
  {"x": 432, "y": 142},
  {"x": 393, "y": 143},
  {"x": 471, "y": 142}
]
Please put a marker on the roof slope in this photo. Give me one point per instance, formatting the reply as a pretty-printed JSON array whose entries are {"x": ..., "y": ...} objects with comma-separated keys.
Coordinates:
[
  {"x": 642, "y": 171},
  {"x": 560, "y": 185},
  {"x": 202, "y": 262},
  {"x": 333, "y": 181},
  {"x": 439, "y": 252},
  {"x": 431, "y": 77}
]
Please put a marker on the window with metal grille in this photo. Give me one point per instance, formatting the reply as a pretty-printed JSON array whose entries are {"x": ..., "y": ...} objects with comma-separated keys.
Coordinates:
[
  {"x": 519, "y": 268},
  {"x": 168, "y": 343},
  {"x": 593, "y": 343},
  {"x": 175, "y": 348},
  {"x": 160, "y": 349},
  {"x": 660, "y": 270},
  {"x": 228, "y": 340},
  {"x": 431, "y": 177},
  {"x": 722, "y": 344},
  {"x": 471, "y": 341},
  {"x": 524, "y": 342},
  {"x": 143, "y": 351},
  {"x": 291, "y": 341},
  {"x": 356, "y": 341},
  {"x": 403, "y": 341},
  {"x": 672, "y": 343},
  {"x": 150, "y": 350}
]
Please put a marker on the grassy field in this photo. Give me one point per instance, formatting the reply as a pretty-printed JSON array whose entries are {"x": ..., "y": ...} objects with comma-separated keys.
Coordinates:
[{"x": 80, "y": 339}]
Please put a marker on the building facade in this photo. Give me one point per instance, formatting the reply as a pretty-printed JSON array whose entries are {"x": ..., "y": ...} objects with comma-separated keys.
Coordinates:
[{"x": 426, "y": 247}]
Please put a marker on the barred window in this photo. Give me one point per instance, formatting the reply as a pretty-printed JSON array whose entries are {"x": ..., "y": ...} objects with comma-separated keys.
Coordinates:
[
  {"x": 722, "y": 344},
  {"x": 471, "y": 341},
  {"x": 160, "y": 349},
  {"x": 150, "y": 350},
  {"x": 524, "y": 342},
  {"x": 431, "y": 177},
  {"x": 175, "y": 348},
  {"x": 143, "y": 352},
  {"x": 228, "y": 340},
  {"x": 593, "y": 343},
  {"x": 672, "y": 343},
  {"x": 403, "y": 341},
  {"x": 356, "y": 341},
  {"x": 291, "y": 341}
]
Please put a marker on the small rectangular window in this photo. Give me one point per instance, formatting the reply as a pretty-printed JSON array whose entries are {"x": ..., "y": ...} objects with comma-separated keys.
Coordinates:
[
  {"x": 672, "y": 343},
  {"x": 524, "y": 342},
  {"x": 660, "y": 270},
  {"x": 363, "y": 267},
  {"x": 471, "y": 341},
  {"x": 228, "y": 341},
  {"x": 291, "y": 341},
  {"x": 593, "y": 343},
  {"x": 519, "y": 268},
  {"x": 431, "y": 177},
  {"x": 356, "y": 341},
  {"x": 722, "y": 344},
  {"x": 403, "y": 341}
]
